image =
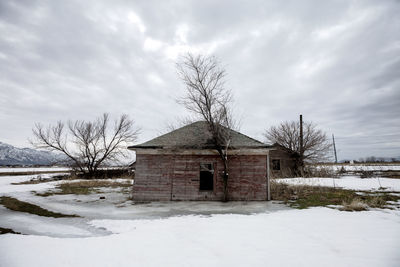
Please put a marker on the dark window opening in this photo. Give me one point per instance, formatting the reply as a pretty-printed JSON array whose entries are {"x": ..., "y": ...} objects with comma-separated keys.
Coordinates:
[
  {"x": 206, "y": 177},
  {"x": 276, "y": 164}
]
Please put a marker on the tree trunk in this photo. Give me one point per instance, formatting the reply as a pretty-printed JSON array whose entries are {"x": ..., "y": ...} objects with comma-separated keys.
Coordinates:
[
  {"x": 225, "y": 179},
  {"x": 301, "y": 148},
  {"x": 225, "y": 199}
]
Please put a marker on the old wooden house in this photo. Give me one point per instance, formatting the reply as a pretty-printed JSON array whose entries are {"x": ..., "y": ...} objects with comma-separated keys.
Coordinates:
[{"x": 182, "y": 165}]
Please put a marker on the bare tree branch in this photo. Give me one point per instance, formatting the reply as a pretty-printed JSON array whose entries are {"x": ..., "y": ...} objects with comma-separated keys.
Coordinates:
[
  {"x": 316, "y": 145},
  {"x": 208, "y": 99},
  {"x": 88, "y": 145}
]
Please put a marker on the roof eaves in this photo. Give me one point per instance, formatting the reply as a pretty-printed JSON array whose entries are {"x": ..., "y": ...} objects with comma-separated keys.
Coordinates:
[{"x": 140, "y": 146}]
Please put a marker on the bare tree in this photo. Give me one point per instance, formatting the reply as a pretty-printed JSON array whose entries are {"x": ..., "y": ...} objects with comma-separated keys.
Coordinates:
[
  {"x": 208, "y": 99},
  {"x": 87, "y": 145},
  {"x": 316, "y": 145}
]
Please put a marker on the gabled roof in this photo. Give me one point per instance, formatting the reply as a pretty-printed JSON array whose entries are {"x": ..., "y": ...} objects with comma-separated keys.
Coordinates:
[{"x": 198, "y": 136}]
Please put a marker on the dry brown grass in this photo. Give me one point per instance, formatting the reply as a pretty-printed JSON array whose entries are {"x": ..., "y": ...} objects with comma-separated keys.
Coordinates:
[
  {"x": 84, "y": 187},
  {"x": 319, "y": 171},
  {"x": 16, "y": 173},
  {"x": 102, "y": 174},
  {"x": 18, "y": 205},
  {"x": 39, "y": 179},
  {"x": 97, "y": 183},
  {"x": 355, "y": 204},
  {"x": 304, "y": 196},
  {"x": 377, "y": 202},
  {"x": 4, "y": 231}
]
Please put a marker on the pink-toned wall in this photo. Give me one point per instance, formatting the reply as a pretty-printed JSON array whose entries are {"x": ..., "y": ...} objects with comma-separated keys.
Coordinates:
[{"x": 177, "y": 177}]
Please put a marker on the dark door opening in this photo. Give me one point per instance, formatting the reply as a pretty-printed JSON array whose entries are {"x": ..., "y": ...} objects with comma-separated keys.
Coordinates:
[{"x": 206, "y": 177}]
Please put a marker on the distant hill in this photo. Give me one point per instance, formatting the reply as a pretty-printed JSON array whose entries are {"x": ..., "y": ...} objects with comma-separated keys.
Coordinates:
[{"x": 10, "y": 155}]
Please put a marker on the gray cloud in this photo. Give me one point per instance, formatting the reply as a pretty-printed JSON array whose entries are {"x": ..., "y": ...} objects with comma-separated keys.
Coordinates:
[{"x": 335, "y": 62}]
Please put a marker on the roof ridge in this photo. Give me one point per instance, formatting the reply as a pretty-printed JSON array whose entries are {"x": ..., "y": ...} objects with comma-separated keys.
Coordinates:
[
  {"x": 198, "y": 135},
  {"x": 187, "y": 125},
  {"x": 258, "y": 141}
]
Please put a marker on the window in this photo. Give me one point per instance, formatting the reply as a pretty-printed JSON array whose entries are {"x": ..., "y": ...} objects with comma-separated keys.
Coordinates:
[
  {"x": 276, "y": 164},
  {"x": 206, "y": 177}
]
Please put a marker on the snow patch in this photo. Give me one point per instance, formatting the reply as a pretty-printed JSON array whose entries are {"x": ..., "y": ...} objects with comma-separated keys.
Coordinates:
[
  {"x": 347, "y": 182},
  {"x": 312, "y": 237}
]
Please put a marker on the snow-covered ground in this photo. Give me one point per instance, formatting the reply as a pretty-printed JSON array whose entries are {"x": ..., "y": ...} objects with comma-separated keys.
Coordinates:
[
  {"x": 33, "y": 169},
  {"x": 114, "y": 232},
  {"x": 313, "y": 237},
  {"x": 363, "y": 167},
  {"x": 39, "y": 170},
  {"x": 348, "y": 182},
  {"x": 6, "y": 186},
  {"x": 116, "y": 206}
]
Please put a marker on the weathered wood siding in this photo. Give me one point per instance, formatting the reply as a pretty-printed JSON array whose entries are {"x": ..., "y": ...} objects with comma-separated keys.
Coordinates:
[
  {"x": 287, "y": 164},
  {"x": 177, "y": 177}
]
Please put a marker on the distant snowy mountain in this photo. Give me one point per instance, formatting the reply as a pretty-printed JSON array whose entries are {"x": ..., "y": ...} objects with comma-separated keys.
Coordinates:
[{"x": 10, "y": 155}]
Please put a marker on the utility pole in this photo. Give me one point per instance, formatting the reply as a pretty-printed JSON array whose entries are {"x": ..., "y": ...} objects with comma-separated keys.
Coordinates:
[
  {"x": 301, "y": 146},
  {"x": 334, "y": 147}
]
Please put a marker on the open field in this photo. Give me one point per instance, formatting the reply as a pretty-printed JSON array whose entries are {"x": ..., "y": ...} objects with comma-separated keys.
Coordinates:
[
  {"x": 361, "y": 166},
  {"x": 365, "y": 170},
  {"x": 113, "y": 231},
  {"x": 32, "y": 169},
  {"x": 348, "y": 182},
  {"x": 6, "y": 171}
]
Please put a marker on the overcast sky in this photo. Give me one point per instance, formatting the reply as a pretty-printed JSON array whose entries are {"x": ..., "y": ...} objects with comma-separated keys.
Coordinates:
[{"x": 335, "y": 62}]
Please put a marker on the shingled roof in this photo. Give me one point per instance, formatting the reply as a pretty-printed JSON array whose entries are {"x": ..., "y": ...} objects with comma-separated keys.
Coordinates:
[{"x": 198, "y": 136}]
